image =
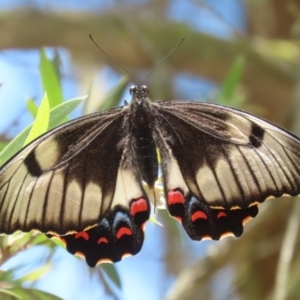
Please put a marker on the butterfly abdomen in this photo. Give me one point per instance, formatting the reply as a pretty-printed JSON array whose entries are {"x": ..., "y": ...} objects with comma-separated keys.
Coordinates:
[
  {"x": 146, "y": 155},
  {"x": 144, "y": 145}
]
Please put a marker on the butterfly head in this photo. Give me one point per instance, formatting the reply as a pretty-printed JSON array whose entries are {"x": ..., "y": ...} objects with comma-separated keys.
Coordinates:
[{"x": 139, "y": 92}]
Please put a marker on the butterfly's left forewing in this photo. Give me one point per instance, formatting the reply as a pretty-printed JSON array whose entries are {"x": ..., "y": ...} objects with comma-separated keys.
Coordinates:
[
  {"x": 226, "y": 159},
  {"x": 52, "y": 185},
  {"x": 71, "y": 182}
]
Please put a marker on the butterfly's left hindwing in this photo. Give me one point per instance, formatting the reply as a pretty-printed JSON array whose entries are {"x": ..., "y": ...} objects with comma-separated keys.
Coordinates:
[{"x": 119, "y": 234}]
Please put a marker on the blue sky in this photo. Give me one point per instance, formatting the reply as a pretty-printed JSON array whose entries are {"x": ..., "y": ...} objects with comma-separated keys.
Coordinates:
[{"x": 142, "y": 276}]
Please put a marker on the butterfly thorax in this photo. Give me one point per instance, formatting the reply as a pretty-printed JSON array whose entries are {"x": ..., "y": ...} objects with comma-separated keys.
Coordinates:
[
  {"x": 141, "y": 123},
  {"x": 139, "y": 93}
]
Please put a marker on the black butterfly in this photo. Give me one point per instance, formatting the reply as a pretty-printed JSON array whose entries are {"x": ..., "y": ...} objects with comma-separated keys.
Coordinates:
[{"x": 82, "y": 181}]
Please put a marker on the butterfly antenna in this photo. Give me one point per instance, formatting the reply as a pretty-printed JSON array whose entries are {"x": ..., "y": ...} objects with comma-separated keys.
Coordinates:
[
  {"x": 111, "y": 58},
  {"x": 164, "y": 58}
]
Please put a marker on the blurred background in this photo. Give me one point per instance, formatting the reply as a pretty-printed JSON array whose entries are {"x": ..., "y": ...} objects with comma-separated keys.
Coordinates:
[{"x": 241, "y": 53}]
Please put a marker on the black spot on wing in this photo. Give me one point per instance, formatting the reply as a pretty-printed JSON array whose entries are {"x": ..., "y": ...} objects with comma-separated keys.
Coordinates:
[
  {"x": 256, "y": 136},
  {"x": 32, "y": 165}
]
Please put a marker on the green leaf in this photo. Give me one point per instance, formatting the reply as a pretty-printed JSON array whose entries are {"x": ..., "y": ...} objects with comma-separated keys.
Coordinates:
[
  {"x": 8, "y": 276},
  {"x": 111, "y": 99},
  {"x": 57, "y": 115},
  {"x": 32, "y": 107},
  {"x": 18, "y": 240},
  {"x": 64, "y": 109},
  {"x": 25, "y": 294},
  {"x": 112, "y": 273},
  {"x": 154, "y": 221},
  {"x": 57, "y": 62},
  {"x": 115, "y": 96},
  {"x": 3, "y": 145},
  {"x": 36, "y": 274},
  {"x": 227, "y": 93},
  {"x": 50, "y": 80},
  {"x": 41, "y": 122}
]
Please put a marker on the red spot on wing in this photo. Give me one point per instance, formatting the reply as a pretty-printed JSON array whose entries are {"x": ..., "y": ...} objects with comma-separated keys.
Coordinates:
[
  {"x": 82, "y": 234},
  {"x": 138, "y": 205},
  {"x": 175, "y": 197},
  {"x": 221, "y": 214},
  {"x": 123, "y": 231},
  {"x": 102, "y": 240},
  {"x": 198, "y": 215}
]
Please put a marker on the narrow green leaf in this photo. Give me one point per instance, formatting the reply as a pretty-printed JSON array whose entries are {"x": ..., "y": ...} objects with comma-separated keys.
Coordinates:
[
  {"x": 9, "y": 294},
  {"x": 32, "y": 107},
  {"x": 57, "y": 115},
  {"x": 26, "y": 294},
  {"x": 232, "y": 80},
  {"x": 36, "y": 274},
  {"x": 114, "y": 97},
  {"x": 57, "y": 62},
  {"x": 58, "y": 242},
  {"x": 87, "y": 108},
  {"x": 50, "y": 80},
  {"x": 3, "y": 145},
  {"x": 8, "y": 276},
  {"x": 41, "y": 122},
  {"x": 64, "y": 109},
  {"x": 39, "y": 239},
  {"x": 18, "y": 240},
  {"x": 112, "y": 273},
  {"x": 156, "y": 222}
]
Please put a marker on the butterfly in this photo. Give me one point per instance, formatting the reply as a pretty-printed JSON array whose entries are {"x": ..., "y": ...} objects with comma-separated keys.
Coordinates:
[{"x": 84, "y": 181}]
